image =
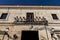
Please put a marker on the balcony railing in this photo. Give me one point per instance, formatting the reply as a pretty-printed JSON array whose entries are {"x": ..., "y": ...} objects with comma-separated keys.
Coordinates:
[{"x": 36, "y": 21}]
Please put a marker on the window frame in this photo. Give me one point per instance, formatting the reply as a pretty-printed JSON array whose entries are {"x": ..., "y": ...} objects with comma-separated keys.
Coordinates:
[
  {"x": 32, "y": 15},
  {"x": 54, "y": 16},
  {"x": 5, "y": 18}
]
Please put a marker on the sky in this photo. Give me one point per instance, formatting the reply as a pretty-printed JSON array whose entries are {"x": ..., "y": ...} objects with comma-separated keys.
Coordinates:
[{"x": 30, "y": 2}]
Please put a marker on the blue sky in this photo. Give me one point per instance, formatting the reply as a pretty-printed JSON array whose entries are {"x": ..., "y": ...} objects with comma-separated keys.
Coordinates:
[{"x": 31, "y": 2}]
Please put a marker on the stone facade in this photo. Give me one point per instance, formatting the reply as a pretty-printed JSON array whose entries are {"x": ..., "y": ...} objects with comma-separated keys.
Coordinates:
[{"x": 44, "y": 31}]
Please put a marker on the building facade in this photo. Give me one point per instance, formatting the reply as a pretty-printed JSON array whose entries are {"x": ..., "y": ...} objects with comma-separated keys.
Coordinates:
[{"x": 18, "y": 22}]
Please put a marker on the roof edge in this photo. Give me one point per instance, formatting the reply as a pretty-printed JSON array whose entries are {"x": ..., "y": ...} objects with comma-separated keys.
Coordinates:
[{"x": 30, "y": 6}]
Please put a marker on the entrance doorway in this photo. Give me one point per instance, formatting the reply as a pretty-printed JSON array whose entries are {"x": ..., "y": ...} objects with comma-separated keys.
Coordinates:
[{"x": 29, "y": 35}]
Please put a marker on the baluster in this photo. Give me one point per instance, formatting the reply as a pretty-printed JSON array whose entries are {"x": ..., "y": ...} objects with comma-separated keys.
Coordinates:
[
  {"x": 24, "y": 19},
  {"x": 16, "y": 19},
  {"x": 39, "y": 19},
  {"x": 43, "y": 19},
  {"x": 36, "y": 18},
  {"x": 20, "y": 19}
]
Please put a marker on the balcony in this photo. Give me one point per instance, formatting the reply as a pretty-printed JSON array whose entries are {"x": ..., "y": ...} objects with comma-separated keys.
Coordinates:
[{"x": 35, "y": 21}]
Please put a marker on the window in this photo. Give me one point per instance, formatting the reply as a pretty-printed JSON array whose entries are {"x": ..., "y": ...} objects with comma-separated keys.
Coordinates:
[
  {"x": 29, "y": 17},
  {"x": 4, "y": 15},
  {"x": 29, "y": 35},
  {"x": 54, "y": 16}
]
